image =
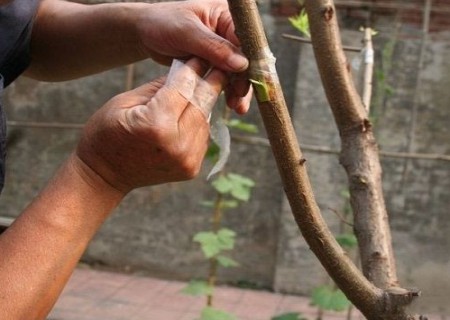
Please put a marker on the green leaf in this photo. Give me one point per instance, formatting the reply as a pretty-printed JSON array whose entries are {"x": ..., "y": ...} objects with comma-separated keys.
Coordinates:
[
  {"x": 239, "y": 179},
  {"x": 327, "y": 298},
  {"x": 229, "y": 204},
  {"x": 198, "y": 288},
  {"x": 241, "y": 189},
  {"x": 209, "y": 243},
  {"x": 236, "y": 185},
  {"x": 301, "y": 23},
  {"x": 226, "y": 238},
  {"x": 222, "y": 184},
  {"x": 347, "y": 240},
  {"x": 210, "y": 313},
  {"x": 227, "y": 262},
  {"x": 261, "y": 90},
  {"x": 289, "y": 316},
  {"x": 241, "y": 192},
  {"x": 214, "y": 243},
  {"x": 243, "y": 126}
]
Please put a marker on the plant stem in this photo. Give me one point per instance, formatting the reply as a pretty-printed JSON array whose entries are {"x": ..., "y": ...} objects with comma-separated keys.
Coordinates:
[{"x": 216, "y": 224}]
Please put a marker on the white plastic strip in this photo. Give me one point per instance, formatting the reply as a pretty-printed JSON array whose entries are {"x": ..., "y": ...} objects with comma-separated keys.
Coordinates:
[{"x": 201, "y": 95}]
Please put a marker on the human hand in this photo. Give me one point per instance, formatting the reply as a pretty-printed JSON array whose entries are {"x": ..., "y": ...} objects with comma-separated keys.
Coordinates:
[
  {"x": 152, "y": 134},
  {"x": 202, "y": 28}
]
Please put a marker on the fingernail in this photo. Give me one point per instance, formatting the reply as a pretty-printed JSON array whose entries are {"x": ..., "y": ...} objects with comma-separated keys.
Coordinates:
[{"x": 237, "y": 62}]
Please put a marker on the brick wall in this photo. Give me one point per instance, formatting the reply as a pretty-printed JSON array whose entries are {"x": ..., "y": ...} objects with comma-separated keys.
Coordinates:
[{"x": 410, "y": 12}]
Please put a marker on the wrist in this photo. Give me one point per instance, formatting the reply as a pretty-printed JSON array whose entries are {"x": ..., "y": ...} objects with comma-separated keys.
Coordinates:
[{"x": 92, "y": 181}]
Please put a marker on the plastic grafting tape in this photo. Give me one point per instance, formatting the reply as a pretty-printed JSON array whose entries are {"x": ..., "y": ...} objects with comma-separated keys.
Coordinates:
[
  {"x": 262, "y": 71},
  {"x": 201, "y": 95},
  {"x": 192, "y": 87},
  {"x": 221, "y": 136}
]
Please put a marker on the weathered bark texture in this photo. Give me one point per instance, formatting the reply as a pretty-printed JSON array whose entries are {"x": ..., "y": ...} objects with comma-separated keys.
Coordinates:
[
  {"x": 359, "y": 154},
  {"x": 361, "y": 161}
]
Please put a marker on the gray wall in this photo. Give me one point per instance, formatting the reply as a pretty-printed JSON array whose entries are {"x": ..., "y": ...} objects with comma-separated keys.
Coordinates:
[{"x": 151, "y": 231}]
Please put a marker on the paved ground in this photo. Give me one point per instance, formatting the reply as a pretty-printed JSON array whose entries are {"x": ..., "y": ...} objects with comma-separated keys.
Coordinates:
[{"x": 100, "y": 295}]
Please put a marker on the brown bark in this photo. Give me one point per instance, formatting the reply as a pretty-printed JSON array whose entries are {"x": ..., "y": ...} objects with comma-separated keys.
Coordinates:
[
  {"x": 373, "y": 302},
  {"x": 359, "y": 154}
]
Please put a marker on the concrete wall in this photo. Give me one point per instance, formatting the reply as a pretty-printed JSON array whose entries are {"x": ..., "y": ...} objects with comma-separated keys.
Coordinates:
[{"x": 152, "y": 229}]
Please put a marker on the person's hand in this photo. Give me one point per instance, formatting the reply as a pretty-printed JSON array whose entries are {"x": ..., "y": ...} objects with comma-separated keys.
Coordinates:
[
  {"x": 202, "y": 28},
  {"x": 152, "y": 134}
]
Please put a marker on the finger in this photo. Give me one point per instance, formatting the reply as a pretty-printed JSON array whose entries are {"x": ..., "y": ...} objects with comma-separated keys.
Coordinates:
[
  {"x": 182, "y": 80},
  {"x": 226, "y": 29},
  {"x": 238, "y": 85},
  {"x": 185, "y": 75},
  {"x": 240, "y": 104},
  {"x": 220, "y": 52},
  {"x": 208, "y": 91},
  {"x": 237, "y": 89},
  {"x": 149, "y": 89},
  {"x": 243, "y": 104}
]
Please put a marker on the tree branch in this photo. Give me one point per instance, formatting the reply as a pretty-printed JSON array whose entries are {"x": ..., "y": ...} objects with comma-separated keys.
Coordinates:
[
  {"x": 373, "y": 302},
  {"x": 291, "y": 163},
  {"x": 359, "y": 154}
]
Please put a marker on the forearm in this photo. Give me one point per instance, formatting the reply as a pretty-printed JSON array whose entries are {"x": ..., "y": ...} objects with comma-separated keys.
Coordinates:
[
  {"x": 71, "y": 40},
  {"x": 42, "y": 247}
]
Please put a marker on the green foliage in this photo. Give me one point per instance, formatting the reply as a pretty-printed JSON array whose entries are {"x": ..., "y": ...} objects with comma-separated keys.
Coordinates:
[
  {"x": 261, "y": 90},
  {"x": 214, "y": 243},
  {"x": 328, "y": 298},
  {"x": 347, "y": 240},
  {"x": 198, "y": 288},
  {"x": 227, "y": 262},
  {"x": 235, "y": 185},
  {"x": 289, "y": 316},
  {"x": 210, "y": 313},
  {"x": 230, "y": 190},
  {"x": 301, "y": 23},
  {"x": 242, "y": 125}
]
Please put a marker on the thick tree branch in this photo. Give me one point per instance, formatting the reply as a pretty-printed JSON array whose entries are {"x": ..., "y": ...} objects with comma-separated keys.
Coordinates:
[
  {"x": 374, "y": 303},
  {"x": 359, "y": 154},
  {"x": 291, "y": 163}
]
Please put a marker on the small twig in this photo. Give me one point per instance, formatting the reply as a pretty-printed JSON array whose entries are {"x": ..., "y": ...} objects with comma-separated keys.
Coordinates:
[
  {"x": 306, "y": 40},
  {"x": 339, "y": 215}
]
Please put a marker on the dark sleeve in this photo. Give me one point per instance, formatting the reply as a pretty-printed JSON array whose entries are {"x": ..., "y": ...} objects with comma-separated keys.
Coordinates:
[
  {"x": 2, "y": 138},
  {"x": 16, "y": 21}
]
